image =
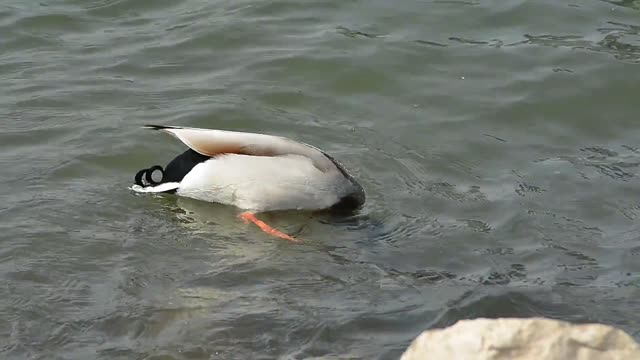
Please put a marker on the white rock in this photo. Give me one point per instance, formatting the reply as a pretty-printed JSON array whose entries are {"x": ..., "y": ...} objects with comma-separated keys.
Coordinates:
[{"x": 523, "y": 339}]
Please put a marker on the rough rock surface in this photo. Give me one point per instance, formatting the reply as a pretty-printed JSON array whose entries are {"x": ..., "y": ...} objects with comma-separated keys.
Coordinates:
[{"x": 523, "y": 339}]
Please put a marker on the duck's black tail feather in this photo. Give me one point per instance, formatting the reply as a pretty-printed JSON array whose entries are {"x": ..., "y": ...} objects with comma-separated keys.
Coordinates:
[
  {"x": 159, "y": 127},
  {"x": 144, "y": 177},
  {"x": 174, "y": 172}
]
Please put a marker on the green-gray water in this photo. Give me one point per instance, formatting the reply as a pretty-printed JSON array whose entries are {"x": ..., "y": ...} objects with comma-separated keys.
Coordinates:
[{"x": 498, "y": 142}]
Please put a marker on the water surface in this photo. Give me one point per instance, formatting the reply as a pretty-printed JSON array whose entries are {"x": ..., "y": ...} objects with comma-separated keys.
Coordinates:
[{"x": 497, "y": 142}]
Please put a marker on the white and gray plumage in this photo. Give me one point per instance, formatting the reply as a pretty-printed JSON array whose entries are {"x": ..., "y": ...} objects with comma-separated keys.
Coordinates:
[{"x": 253, "y": 172}]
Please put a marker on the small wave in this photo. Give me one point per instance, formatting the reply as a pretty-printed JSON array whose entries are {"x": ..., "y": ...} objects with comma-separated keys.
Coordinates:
[{"x": 478, "y": 304}]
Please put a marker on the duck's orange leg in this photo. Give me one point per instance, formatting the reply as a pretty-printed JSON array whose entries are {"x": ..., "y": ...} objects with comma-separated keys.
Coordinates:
[{"x": 251, "y": 217}]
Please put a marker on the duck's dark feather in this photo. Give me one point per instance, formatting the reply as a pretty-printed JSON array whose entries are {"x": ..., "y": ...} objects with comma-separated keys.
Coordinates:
[
  {"x": 180, "y": 166},
  {"x": 175, "y": 171}
]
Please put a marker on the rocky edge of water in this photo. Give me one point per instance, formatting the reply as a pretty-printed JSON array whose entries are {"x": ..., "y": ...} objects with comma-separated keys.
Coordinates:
[{"x": 523, "y": 339}]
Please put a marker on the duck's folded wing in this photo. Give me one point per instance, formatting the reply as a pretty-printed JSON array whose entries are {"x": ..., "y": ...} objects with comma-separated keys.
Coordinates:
[{"x": 212, "y": 142}]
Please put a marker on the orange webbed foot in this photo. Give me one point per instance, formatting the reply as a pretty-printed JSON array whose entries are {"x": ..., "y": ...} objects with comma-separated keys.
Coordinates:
[{"x": 251, "y": 217}]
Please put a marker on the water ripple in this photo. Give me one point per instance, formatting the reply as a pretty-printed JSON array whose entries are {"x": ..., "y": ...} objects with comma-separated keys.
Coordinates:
[{"x": 497, "y": 143}]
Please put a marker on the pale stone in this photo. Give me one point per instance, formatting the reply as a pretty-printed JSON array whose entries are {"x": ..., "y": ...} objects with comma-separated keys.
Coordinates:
[{"x": 523, "y": 339}]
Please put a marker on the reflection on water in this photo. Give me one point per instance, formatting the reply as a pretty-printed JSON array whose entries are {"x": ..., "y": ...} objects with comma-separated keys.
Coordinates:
[
  {"x": 618, "y": 39},
  {"x": 633, "y": 4}
]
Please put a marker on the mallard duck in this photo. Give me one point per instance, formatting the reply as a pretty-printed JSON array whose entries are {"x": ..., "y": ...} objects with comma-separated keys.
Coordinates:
[{"x": 252, "y": 172}]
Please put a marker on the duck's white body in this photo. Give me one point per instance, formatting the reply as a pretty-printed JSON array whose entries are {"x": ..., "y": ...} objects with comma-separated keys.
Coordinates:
[
  {"x": 261, "y": 183},
  {"x": 258, "y": 172}
]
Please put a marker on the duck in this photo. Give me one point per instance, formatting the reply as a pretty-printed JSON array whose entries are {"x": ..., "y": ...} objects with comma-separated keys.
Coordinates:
[{"x": 253, "y": 172}]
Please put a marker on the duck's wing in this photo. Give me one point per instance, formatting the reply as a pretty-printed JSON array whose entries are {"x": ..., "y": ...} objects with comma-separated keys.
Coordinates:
[{"x": 212, "y": 142}]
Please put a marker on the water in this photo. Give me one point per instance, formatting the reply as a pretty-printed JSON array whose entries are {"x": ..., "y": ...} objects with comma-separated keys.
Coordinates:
[{"x": 497, "y": 142}]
